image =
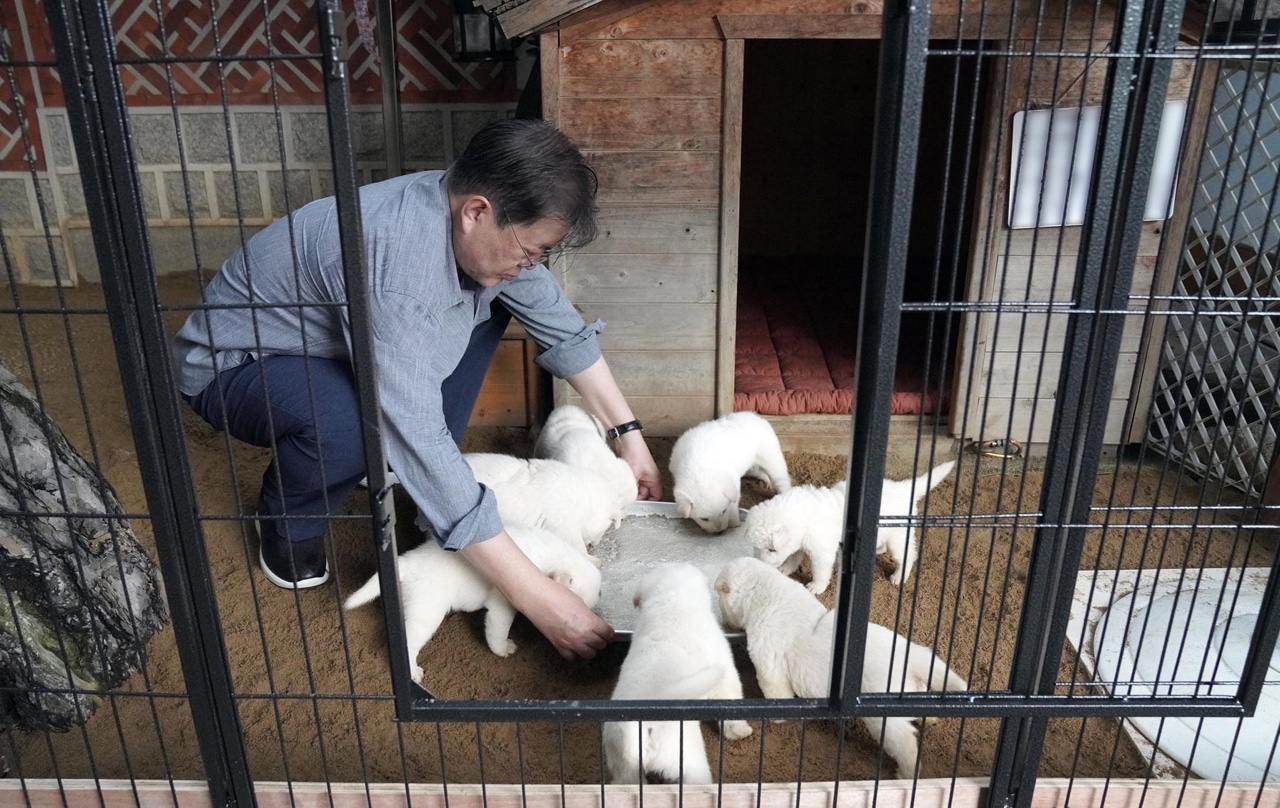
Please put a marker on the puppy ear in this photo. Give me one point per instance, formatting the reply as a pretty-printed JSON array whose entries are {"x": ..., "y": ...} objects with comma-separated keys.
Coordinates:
[
  {"x": 635, "y": 601},
  {"x": 561, "y": 577},
  {"x": 684, "y": 508},
  {"x": 722, "y": 586}
]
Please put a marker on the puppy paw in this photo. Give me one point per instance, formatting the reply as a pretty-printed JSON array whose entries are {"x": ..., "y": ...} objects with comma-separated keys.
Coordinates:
[
  {"x": 736, "y": 730},
  {"x": 599, "y": 562},
  {"x": 416, "y": 671},
  {"x": 817, "y": 588},
  {"x": 504, "y": 649}
]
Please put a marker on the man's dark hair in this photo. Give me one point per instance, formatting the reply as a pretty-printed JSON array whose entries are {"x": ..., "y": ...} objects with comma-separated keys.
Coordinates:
[{"x": 530, "y": 171}]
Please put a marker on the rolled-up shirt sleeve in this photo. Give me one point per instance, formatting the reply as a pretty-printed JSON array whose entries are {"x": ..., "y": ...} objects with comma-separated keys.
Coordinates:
[
  {"x": 569, "y": 344},
  {"x": 419, "y": 447}
]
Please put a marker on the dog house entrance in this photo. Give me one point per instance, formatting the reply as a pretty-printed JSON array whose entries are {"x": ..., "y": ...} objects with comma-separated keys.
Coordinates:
[{"x": 807, "y": 125}]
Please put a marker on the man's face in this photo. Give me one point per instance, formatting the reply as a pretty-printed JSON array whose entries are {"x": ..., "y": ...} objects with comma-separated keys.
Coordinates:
[{"x": 490, "y": 254}]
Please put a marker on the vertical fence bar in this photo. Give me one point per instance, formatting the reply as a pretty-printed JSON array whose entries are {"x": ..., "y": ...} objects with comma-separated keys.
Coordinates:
[
  {"x": 1134, "y": 96},
  {"x": 899, "y": 97},
  {"x": 1263, "y": 642},
  {"x": 388, "y": 57},
  {"x": 85, "y": 44},
  {"x": 351, "y": 238}
]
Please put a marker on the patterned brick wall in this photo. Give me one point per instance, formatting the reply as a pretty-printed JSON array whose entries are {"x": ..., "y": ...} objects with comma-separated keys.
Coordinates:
[
  {"x": 263, "y": 38},
  {"x": 222, "y": 147}
]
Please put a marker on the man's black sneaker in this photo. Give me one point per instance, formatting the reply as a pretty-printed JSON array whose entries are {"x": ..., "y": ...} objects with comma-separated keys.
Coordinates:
[{"x": 292, "y": 565}]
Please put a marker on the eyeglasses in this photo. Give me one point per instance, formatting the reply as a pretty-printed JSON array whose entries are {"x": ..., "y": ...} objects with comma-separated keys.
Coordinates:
[
  {"x": 533, "y": 259},
  {"x": 529, "y": 260}
]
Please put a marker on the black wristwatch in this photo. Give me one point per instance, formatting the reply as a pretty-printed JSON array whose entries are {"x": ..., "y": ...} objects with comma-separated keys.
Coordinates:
[{"x": 622, "y": 429}]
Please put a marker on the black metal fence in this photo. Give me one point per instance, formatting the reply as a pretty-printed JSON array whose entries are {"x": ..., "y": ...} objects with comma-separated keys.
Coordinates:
[{"x": 1009, "y": 568}]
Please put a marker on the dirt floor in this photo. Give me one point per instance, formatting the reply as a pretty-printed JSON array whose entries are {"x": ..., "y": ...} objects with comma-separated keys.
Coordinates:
[{"x": 331, "y": 718}]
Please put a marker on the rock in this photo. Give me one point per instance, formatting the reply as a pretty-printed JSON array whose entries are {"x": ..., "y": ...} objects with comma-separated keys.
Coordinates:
[{"x": 81, "y": 598}]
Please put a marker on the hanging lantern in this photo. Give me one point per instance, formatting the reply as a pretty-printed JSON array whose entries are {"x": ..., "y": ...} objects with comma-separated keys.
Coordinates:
[{"x": 477, "y": 36}]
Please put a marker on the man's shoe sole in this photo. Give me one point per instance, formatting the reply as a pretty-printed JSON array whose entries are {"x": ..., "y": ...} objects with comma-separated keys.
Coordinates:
[{"x": 306, "y": 583}]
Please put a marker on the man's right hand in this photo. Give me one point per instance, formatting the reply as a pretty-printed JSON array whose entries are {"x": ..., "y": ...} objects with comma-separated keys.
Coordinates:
[{"x": 561, "y": 616}]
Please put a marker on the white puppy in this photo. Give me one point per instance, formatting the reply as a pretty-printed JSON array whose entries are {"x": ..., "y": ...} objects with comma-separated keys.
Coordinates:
[
  {"x": 804, "y": 521},
  {"x": 789, "y": 638},
  {"x": 809, "y": 521},
  {"x": 435, "y": 582},
  {"x": 572, "y": 435},
  {"x": 899, "y": 498},
  {"x": 709, "y": 461},
  {"x": 678, "y": 651},
  {"x": 575, "y": 504}
]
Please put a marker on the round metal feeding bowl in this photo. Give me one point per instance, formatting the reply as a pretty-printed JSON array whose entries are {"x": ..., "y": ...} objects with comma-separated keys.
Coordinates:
[{"x": 652, "y": 534}]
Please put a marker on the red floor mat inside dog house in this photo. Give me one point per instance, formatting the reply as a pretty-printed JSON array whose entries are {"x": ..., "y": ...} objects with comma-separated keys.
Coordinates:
[{"x": 795, "y": 346}]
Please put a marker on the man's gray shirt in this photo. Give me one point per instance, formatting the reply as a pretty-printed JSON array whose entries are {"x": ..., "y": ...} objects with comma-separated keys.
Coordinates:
[{"x": 422, "y": 310}]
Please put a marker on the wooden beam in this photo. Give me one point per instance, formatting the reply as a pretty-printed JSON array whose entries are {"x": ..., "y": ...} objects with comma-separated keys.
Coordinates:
[
  {"x": 664, "y": 416},
  {"x": 652, "y": 177},
  {"x": 642, "y": 124},
  {"x": 549, "y": 47},
  {"x": 986, "y": 224},
  {"x": 1195, "y": 20},
  {"x": 638, "y": 278},
  {"x": 1175, "y": 229},
  {"x": 666, "y": 328},
  {"x": 868, "y": 26},
  {"x": 688, "y": 68},
  {"x": 832, "y": 434},
  {"x": 671, "y": 21},
  {"x": 799, "y": 26},
  {"x": 730, "y": 204},
  {"x": 599, "y": 18},
  {"x": 656, "y": 230},
  {"x": 664, "y": 372},
  {"x": 535, "y": 15}
]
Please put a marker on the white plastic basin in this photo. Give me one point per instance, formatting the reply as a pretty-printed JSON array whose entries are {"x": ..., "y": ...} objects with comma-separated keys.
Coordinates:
[{"x": 652, "y": 534}]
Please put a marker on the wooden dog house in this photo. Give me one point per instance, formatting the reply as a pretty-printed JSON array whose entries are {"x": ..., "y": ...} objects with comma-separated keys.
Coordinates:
[{"x": 732, "y": 143}]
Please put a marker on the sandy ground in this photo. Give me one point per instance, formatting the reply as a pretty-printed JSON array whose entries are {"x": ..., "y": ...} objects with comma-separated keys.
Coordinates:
[{"x": 313, "y": 682}]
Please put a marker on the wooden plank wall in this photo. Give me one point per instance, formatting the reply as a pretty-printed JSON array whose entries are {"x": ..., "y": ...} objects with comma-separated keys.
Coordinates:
[
  {"x": 998, "y": 394},
  {"x": 646, "y": 110},
  {"x": 640, "y": 87}
]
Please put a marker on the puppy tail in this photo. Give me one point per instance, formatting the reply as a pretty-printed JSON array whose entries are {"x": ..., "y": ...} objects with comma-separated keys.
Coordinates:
[
  {"x": 698, "y": 685},
  {"x": 364, "y": 594},
  {"x": 929, "y": 667},
  {"x": 954, "y": 681}
]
